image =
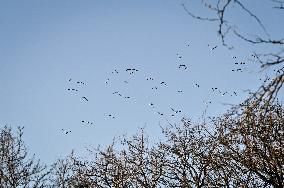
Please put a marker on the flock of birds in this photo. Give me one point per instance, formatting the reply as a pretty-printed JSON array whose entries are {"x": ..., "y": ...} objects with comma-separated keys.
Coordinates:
[{"x": 133, "y": 71}]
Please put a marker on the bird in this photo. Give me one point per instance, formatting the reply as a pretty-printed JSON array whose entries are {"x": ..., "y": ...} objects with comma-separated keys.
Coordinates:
[
  {"x": 152, "y": 105},
  {"x": 111, "y": 116},
  {"x": 87, "y": 122},
  {"x": 115, "y": 71},
  {"x": 65, "y": 132},
  {"x": 163, "y": 83},
  {"x": 179, "y": 56},
  {"x": 176, "y": 111},
  {"x": 107, "y": 81},
  {"x": 85, "y": 98},
  {"x": 160, "y": 113},
  {"x": 233, "y": 70},
  {"x": 206, "y": 103},
  {"x": 79, "y": 82},
  {"x": 150, "y": 78},
  {"x": 214, "y": 48},
  {"x": 131, "y": 71},
  {"x": 73, "y": 89},
  {"x": 182, "y": 66}
]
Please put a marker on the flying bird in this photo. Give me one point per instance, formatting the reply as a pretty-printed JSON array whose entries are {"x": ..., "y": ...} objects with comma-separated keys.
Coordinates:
[
  {"x": 65, "y": 132},
  {"x": 107, "y": 81},
  {"x": 214, "y": 48},
  {"x": 72, "y": 89},
  {"x": 182, "y": 66},
  {"x": 151, "y": 104},
  {"x": 85, "y": 98},
  {"x": 87, "y": 122},
  {"x": 160, "y": 113},
  {"x": 111, "y": 116},
  {"x": 163, "y": 83},
  {"x": 176, "y": 111},
  {"x": 115, "y": 71}
]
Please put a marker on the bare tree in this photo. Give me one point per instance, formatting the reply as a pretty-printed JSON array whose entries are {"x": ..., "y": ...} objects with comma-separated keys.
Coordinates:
[
  {"x": 273, "y": 59},
  {"x": 188, "y": 152},
  {"x": 146, "y": 163},
  {"x": 136, "y": 165},
  {"x": 230, "y": 151},
  {"x": 250, "y": 146},
  {"x": 103, "y": 168},
  {"x": 62, "y": 173},
  {"x": 16, "y": 169}
]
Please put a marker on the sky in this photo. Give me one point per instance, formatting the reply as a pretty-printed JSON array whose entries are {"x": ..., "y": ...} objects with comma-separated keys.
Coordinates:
[{"x": 48, "y": 46}]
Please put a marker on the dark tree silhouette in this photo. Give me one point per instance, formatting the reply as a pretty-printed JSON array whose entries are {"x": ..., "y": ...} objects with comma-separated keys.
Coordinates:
[
  {"x": 136, "y": 165},
  {"x": 250, "y": 146},
  {"x": 188, "y": 155},
  {"x": 16, "y": 169},
  {"x": 62, "y": 173},
  {"x": 229, "y": 151}
]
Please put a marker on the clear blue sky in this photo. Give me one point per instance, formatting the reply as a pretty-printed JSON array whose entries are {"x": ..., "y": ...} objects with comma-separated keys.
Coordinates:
[{"x": 45, "y": 43}]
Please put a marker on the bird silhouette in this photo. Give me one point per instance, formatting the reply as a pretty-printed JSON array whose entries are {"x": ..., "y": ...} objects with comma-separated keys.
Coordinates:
[
  {"x": 85, "y": 98},
  {"x": 87, "y": 122},
  {"x": 175, "y": 111},
  {"x": 214, "y": 48},
  {"x": 107, "y": 81},
  {"x": 150, "y": 78},
  {"x": 65, "y": 132},
  {"x": 179, "y": 56},
  {"x": 182, "y": 66},
  {"x": 160, "y": 113},
  {"x": 115, "y": 71},
  {"x": 73, "y": 89},
  {"x": 111, "y": 116},
  {"x": 163, "y": 83}
]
